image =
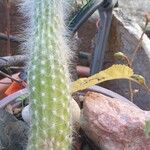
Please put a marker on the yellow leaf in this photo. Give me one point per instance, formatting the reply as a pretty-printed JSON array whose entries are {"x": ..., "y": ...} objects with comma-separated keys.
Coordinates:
[{"x": 114, "y": 72}]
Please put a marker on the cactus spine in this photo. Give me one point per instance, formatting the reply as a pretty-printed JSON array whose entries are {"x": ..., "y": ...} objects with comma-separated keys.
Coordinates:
[{"x": 49, "y": 78}]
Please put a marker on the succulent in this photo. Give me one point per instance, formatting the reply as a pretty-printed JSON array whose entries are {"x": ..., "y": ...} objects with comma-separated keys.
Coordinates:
[{"x": 48, "y": 76}]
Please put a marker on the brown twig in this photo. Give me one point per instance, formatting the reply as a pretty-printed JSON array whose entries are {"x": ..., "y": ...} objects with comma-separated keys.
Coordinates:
[
  {"x": 22, "y": 82},
  {"x": 16, "y": 68},
  {"x": 131, "y": 91},
  {"x": 11, "y": 37},
  {"x": 15, "y": 60},
  {"x": 5, "y": 82},
  {"x": 8, "y": 76},
  {"x": 130, "y": 62},
  {"x": 139, "y": 43},
  {"x": 130, "y": 83},
  {"x": 7, "y": 3}
]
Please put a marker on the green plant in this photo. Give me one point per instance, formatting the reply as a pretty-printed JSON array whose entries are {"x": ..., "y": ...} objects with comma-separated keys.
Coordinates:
[
  {"x": 129, "y": 61},
  {"x": 48, "y": 77}
]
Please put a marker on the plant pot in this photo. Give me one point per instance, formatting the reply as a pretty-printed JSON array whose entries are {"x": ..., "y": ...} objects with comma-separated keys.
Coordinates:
[
  {"x": 94, "y": 89},
  {"x": 110, "y": 93},
  {"x": 11, "y": 98}
]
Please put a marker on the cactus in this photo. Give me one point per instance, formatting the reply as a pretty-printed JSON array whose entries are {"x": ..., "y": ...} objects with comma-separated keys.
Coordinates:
[{"x": 48, "y": 76}]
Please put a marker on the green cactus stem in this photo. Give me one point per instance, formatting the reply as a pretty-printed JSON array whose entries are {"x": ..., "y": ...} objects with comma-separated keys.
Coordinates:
[{"x": 49, "y": 78}]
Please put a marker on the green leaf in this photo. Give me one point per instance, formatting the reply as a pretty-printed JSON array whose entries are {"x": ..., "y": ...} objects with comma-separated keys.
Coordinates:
[
  {"x": 140, "y": 79},
  {"x": 22, "y": 97},
  {"x": 120, "y": 56}
]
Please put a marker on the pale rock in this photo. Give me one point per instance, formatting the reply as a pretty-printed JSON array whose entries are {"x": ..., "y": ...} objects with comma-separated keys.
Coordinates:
[
  {"x": 113, "y": 124},
  {"x": 75, "y": 111},
  {"x": 26, "y": 114},
  {"x": 124, "y": 37}
]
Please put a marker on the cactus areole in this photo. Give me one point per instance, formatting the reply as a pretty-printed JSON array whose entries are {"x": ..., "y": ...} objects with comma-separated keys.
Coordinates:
[{"x": 48, "y": 77}]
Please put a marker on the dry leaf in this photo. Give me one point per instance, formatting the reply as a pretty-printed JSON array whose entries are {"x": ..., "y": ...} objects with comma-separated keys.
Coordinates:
[{"x": 114, "y": 72}]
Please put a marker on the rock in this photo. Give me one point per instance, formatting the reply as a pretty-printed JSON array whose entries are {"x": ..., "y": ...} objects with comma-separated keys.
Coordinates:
[
  {"x": 113, "y": 124},
  {"x": 135, "y": 9},
  {"x": 13, "y": 133},
  {"x": 75, "y": 111},
  {"x": 124, "y": 37},
  {"x": 26, "y": 115}
]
